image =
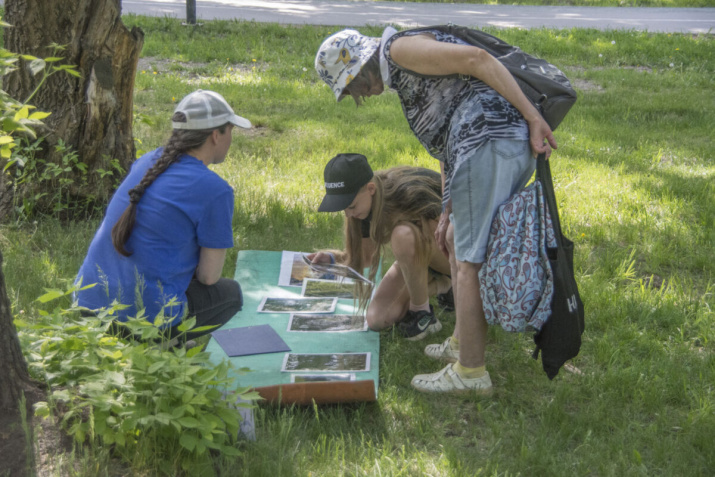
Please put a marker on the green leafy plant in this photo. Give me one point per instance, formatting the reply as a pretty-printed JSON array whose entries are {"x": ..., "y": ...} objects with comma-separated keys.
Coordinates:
[
  {"x": 141, "y": 118},
  {"x": 115, "y": 171},
  {"x": 54, "y": 182},
  {"x": 134, "y": 395},
  {"x": 16, "y": 116}
]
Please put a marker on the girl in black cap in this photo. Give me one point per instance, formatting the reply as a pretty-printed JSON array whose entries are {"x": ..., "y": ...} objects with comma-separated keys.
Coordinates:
[{"x": 400, "y": 207}]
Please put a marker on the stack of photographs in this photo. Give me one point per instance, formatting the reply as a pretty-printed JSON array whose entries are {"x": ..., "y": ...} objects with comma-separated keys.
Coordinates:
[
  {"x": 332, "y": 271},
  {"x": 296, "y": 267},
  {"x": 321, "y": 285}
]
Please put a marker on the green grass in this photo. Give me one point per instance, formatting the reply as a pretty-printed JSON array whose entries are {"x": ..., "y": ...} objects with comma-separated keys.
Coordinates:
[
  {"x": 635, "y": 181},
  {"x": 582, "y": 3}
]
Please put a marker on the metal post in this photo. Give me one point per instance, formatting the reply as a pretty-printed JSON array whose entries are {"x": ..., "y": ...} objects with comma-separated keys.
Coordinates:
[{"x": 191, "y": 12}]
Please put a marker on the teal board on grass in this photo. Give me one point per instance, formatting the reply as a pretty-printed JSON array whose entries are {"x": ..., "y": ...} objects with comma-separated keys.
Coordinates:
[{"x": 257, "y": 272}]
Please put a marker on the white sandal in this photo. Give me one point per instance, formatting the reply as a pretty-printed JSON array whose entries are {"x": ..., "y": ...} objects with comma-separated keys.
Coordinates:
[
  {"x": 448, "y": 381},
  {"x": 443, "y": 351}
]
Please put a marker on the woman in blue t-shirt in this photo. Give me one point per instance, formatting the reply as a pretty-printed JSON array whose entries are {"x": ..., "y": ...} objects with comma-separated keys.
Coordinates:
[
  {"x": 469, "y": 113},
  {"x": 161, "y": 247}
]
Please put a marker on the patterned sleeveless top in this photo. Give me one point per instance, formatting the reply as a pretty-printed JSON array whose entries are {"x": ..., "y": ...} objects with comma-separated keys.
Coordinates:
[{"x": 452, "y": 117}]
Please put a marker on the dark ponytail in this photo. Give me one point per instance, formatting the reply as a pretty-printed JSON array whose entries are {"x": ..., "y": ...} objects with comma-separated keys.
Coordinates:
[{"x": 180, "y": 142}]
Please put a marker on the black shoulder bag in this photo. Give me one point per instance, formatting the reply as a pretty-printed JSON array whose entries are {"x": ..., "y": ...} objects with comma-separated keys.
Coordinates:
[
  {"x": 544, "y": 84},
  {"x": 560, "y": 338}
]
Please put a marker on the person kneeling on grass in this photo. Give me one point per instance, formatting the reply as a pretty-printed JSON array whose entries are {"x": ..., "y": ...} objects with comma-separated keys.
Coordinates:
[
  {"x": 162, "y": 244},
  {"x": 400, "y": 206}
]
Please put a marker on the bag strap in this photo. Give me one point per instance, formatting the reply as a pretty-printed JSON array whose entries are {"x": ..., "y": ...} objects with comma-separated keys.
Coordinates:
[
  {"x": 543, "y": 174},
  {"x": 493, "y": 45}
]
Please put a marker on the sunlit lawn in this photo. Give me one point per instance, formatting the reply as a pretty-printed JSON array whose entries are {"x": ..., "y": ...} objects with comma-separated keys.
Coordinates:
[{"x": 635, "y": 181}]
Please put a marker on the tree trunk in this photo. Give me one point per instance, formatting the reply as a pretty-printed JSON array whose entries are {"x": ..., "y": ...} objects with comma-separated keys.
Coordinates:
[
  {"x": 15, "y": 383},
  {"x": 14, "y": 378},
  {"x": 92, "y": 114}
]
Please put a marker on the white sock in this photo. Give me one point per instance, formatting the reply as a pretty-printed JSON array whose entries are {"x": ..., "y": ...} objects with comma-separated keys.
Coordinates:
[{"x": 422, "y": 307}]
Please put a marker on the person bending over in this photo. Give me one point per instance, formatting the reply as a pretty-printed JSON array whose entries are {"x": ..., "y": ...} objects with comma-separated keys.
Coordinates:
[
  {"x": 162, "y": 244},
  {"x": 400, "y": 207}
]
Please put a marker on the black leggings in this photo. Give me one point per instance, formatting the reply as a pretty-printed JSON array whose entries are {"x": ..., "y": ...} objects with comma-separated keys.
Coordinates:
[{"x": 212, "y": 305}]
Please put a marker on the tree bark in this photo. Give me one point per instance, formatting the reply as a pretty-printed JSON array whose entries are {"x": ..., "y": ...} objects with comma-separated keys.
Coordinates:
[
  {"x": 92, "y": 114},
  {"x": 14, "y": 377}
]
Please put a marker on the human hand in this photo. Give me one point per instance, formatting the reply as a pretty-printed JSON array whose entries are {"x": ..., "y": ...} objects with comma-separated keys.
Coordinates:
[
  {"x": 541, "y": 138},
  {"x": 440, "y": 234},
  {"x": 320, "y": 257}
]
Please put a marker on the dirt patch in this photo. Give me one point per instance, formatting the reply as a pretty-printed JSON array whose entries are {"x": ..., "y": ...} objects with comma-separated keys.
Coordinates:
[
  {"x": 187, "y": 69},
  {"x": 256, "y": 131},
  {"x": 654, "y": 281},
  {"x": 586, "y": 85},
  {"x": 642, "y": 69},
  {"x": 51, "y": 443},
  {"x": 152, "y": 64}
]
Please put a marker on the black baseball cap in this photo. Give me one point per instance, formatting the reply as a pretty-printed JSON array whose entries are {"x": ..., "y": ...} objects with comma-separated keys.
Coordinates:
[{"x": 344, "y": 175}]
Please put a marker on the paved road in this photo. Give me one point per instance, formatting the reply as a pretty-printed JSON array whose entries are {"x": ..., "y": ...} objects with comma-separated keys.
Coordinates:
[{"x": 358, "y": 13}]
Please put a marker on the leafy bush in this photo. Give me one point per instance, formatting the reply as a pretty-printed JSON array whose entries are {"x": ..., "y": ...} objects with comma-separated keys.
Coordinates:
[
  {"x": 42, "y": 186},
  {"x": 163, "y": 407}
]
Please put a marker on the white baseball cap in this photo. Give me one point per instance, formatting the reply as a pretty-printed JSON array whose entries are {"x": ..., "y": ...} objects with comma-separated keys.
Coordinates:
[{"x": 207, "y": 110}]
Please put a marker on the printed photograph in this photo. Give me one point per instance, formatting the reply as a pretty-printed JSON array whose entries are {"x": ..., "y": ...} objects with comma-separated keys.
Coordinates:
[
  {"x": 344, "y": 288},
  {"x": 294, "y": 269},
  {"x": 297, "y": 305},
  {"x": 326, "y": 362},
  {"x": 330, "y": 271},
  {"x": 327, "y": 323},
  {"x": 317, "y": 378}
]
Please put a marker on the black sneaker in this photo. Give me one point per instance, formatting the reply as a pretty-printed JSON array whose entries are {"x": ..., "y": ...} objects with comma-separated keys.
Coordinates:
[
  {"x": 446, "y": 300},
  {"x": 418, "y": 324}
]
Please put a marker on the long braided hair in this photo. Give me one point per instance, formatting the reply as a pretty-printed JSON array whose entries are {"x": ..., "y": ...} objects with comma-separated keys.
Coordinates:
[{"x": 181, "y": 141}]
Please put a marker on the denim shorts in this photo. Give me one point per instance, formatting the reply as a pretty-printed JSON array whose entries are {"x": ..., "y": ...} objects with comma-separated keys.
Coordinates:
[{"x": 480, "y": 184}]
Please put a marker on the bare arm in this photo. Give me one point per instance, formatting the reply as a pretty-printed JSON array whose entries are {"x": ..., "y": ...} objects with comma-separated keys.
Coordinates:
[
  {"x": 368, "y": 250},
  {"x": 210, "y": 265},
  {"x": 425, "y": 55}
]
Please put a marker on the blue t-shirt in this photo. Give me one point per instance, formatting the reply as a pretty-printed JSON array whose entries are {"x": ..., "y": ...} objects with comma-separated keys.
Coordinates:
[{"x": 187, "y": 207}]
